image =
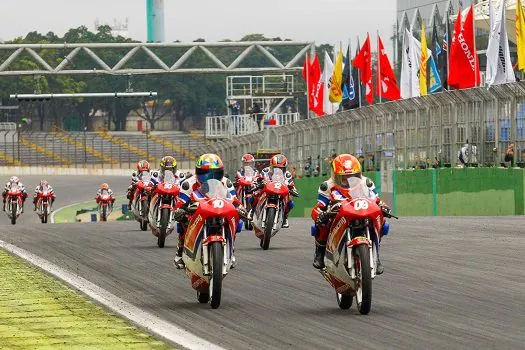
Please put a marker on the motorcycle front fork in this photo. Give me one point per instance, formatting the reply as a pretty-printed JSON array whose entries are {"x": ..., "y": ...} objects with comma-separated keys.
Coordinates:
[
  {"x": 351, "y": 257},
  {"x": 206, "y": 254}
]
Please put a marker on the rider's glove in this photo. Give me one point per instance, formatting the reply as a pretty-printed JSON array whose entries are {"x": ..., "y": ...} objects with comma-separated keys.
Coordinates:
[
  {"x": 294, "y": 192},
  {"x": 322, "y": 219},
  {"x": 179, "y": 214},
  {"x": 243, "y": 214},
  {"x": 386, "y": 210}
]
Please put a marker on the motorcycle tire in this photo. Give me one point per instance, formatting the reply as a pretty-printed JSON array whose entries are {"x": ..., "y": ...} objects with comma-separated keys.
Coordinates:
[
  {"x": 203, "y": 297},
  {"x": 344, "y": 301},
  {"x": 361, "y": 252},
  {"x": 143, "y": 225},
  {"x": 104, "y": 215},
  {"x": 164, "y": 219},
  {"x": 44, "y": 216},
  {"x": 270, "y": 218},
  {"x": 217, "y": 260},
  {"x": 13, "y": 213}
]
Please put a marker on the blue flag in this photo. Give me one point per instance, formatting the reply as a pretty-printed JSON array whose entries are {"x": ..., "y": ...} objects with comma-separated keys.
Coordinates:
[{"x": 435, "y": 79}]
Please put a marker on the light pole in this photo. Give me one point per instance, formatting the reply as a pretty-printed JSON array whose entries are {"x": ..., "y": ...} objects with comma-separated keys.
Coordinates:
[{"x": 85, "y": 147}]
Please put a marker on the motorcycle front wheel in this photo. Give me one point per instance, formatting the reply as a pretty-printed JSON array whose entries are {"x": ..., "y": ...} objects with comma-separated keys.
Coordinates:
[
  {"x": 268, "y": 228},
  {"x": 13, "y": 213},
  {"x": 144, "y": 214},
  {"x": 164, "y": 221},
  {"x": 104, "y": 214},
  {"x": 217, "y": 260},
  {"x": 364, "y": 290}
]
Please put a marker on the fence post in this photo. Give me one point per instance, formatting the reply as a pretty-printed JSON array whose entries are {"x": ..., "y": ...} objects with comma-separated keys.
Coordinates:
[
  {"x": 434, "y": 192},
  {"x": 394, "y": 191}
]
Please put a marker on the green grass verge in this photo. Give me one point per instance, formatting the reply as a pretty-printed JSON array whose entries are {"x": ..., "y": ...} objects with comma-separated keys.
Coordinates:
[
  {"x": 68, "y": 214},
  {"x": 39, "y": 312}
]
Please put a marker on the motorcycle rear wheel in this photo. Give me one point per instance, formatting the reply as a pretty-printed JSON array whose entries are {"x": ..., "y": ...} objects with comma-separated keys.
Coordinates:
[
  {"x": 217, "y": 260},
  {"x": 344, "y": 301},
  {"x": 270, "y": 218},
  {"x": 365, "y": 290},
  {"x": 164, "y": 218}
]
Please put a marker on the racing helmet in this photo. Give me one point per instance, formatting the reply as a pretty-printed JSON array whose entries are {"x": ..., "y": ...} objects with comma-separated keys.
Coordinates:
[
  {"x": 345, "y": 166},
  {"x": 209, "y": 166},
  {"x": 168, "y": 163},
  {"x": 143, "y": 165},
  {"x": 104, "y": 186},
  {"x": 248, "y": 160},
  {"x": 44, "y": 183},
  {"x": 14, "y": 179},
  {"x": 278, "y": 161}
]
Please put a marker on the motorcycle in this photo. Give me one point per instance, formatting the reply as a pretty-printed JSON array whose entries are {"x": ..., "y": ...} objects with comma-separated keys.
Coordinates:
[
  {"x": 43, "y": 204},
  {"x": 208, "y": 243},
  {"x": 105, "y": 205},
  {"x": 244, "y": 192},
  {"x": 269, "y": 213},
  {"x": 14, "y": 203},
  {"x": 351, "y": 249},
  {"x": 141, "y": 199},
  {"x": 162, "y": 206}
]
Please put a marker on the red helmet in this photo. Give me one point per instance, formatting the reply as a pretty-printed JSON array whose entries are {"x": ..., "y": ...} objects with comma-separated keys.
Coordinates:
[
  {"x": 248, "y": 160},
  {"x": 104, "y": 186},
  {"x": 279, "y": 161},
  {"x": 345, "y": 166},
  {"x": 143, "y": 165},
  {"x": 44, "y": 183}
]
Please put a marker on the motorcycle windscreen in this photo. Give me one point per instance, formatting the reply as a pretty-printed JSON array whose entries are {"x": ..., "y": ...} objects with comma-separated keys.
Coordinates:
[
  {"x": 104, "y": 193},
  {"x": 249, "y": 173},
  {"x": 14, "y": 188},
  {"x": 358, "y": 188},
  {"x": 214, "y": 189},
  {"x": 145, "y": 176},
  {"x": 278, "y": 176},
  {"x": 169, "y": 177}
]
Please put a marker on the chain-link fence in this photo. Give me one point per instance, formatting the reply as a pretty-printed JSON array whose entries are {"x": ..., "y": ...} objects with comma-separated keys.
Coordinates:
[{"x": 413, "y": 133}]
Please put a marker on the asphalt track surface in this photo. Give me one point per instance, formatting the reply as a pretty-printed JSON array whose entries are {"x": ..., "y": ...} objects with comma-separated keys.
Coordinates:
[{"x": 449, "y": 283}]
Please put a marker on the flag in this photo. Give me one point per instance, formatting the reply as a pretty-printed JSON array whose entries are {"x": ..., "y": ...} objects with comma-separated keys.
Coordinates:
[
  {"x": 349, "y": 91},
  {"x": 463, "y": 60},
  {"x": 363, "y": 61},
  {"x": 443, "y": 58},
  {"x": 499, "y": 65},
  {"x": 336, "y": 95},
  {"x": 312, "y": 75},
  {"x": 434, "y": 80},
  {"x": 520, "y": 35},
  {"x": 436, "y": 45},
  {"x": 328, "y": 106},
  {"x": 386, "y": 79},
  {"x": 423, "y": 63},
  {"x": 407, "y": 66}
]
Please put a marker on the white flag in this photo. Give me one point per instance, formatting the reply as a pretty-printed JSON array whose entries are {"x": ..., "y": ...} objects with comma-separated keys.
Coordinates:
[
  {"x": 328, "y": 106},
  {"x": 499, "y": 65},
  {"x": 406, "y": 67}
]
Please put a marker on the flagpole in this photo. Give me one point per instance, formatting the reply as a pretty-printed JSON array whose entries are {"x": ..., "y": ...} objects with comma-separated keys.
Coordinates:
[
  {"x": 307, "y": 86},
  {"x": 475, "y": 49},
  {"x": 447, "y": 24},
  {"x": 358, "y": 77},
  {"x": 378, "y": 81}
]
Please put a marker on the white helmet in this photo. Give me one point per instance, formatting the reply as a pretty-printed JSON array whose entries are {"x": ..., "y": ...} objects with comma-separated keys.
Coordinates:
[{"x": 14, "y": 179}]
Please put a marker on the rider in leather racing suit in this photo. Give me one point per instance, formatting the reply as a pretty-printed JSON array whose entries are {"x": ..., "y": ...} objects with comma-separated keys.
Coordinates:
[
  {"x": 208, "y": 166},
  {"x": 278, "y": 161},
  {"x": 167, "y": 163},
  {"x": 344, "y": 166},
  {"x": 105, "y": 187},
  {"x": 247, "y": 160},
  {"x": 142, "y": 166},
  {"x": 41, "y": 186},
  {"x": 7, "y": 187}
]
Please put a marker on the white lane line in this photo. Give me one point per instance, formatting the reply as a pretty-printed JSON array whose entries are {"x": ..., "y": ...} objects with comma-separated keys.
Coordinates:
[{"x": 136, "y": 315}]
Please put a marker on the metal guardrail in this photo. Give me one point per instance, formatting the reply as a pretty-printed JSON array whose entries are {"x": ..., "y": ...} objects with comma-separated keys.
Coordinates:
[
  {"x": 413, "y": 133},
  {"x": 224, "y": 127}
]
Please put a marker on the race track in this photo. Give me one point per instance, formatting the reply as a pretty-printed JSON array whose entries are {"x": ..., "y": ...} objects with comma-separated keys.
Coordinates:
[{"x": 449, "y": 283}]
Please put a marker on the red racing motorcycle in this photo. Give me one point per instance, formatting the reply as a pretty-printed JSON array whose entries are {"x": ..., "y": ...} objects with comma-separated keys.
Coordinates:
[
  {"x": 14, "y": 202},
  {"x": 43, "y": 204},
  {"x": 162, "y": 206},
  {"x": 269, "y": 213},
  {"x": 244, "y": 192},
  {"x": 105, "y": 205},
  {"x": 141, "y": 199},
  {"x": 208, "y": 243},
  {"x": 351, "y": 249}
]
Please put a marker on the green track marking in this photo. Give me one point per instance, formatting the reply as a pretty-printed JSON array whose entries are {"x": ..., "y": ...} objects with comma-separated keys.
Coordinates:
[{"x": 39, "y": 312}]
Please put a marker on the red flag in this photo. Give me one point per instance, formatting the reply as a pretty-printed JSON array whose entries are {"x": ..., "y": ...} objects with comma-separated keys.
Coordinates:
[
  {"x": 463, "y": 70},
  {"x": 387, "y": 86},
  {"x": 315, "y": 85},
  {"x": 363, "y": 61}
]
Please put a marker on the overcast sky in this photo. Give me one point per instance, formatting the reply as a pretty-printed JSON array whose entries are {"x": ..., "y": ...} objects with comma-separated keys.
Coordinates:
[{"x": 323, "y": 21}]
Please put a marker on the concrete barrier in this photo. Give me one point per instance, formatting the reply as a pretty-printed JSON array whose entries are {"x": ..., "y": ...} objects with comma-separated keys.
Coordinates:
[{"x": 19, "y": 170}]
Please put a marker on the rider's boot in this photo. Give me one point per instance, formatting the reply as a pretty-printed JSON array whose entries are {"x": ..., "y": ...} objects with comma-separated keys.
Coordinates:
[
  {"x": 285, "y": 221},
  {"x": 129, "y": 204},
  {"x": 34, "y": 208},
  {"x": 379, "y": 267},
  {"x": 250, "y": 215},
  {"x": 234, "y": 261},
  {"x": 3, "y": 206},
  {"x": 320, "y": 248},
  {"x": 178, "y": 262}
]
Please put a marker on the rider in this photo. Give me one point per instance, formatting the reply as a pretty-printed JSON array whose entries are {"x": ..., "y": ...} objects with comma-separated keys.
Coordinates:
[
  {"x": 209, "y": 166},
  {"x": 41, "y": 186},
  {"x": 142, "y": 166},
  {"x": 7, "y": 187},
  {"x": 105, "y": 187},
  {"x": 246, "y": 160},
  {"x": 279, "y": 161},
  {"x": 344, "y": 166},
  {"x": 167, "y": 163}
]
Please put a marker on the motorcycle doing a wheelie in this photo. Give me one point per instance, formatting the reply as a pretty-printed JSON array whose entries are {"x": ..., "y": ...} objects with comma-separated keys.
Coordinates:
[
  {"x": 43, "y": 204},
  {"x": 105, "y": 205},
  {"x": 209, "y": 239},
  {"x": 270, "y": 209},
  {"x": 14, "y": 203},
  {"x": 245, "y": 193},
  {"x": 141, "y": 199},
  {"x": 162, "y": 206},
  {"x": 351, "y": 249}
]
